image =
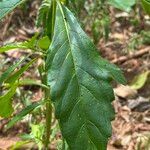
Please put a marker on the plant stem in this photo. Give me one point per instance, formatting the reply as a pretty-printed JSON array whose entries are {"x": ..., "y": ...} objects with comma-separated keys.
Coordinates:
[
  {"x": 53, "y": 17},
  {"x": 48, "y": 118},
  {"x": 47, "y": 91},
  {"x": 48, "y": 108},
  {"x": 54, "y": 12}
]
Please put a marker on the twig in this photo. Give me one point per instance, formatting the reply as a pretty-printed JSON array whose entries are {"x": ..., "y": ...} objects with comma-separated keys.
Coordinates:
[{"x": 122, "y": 59}]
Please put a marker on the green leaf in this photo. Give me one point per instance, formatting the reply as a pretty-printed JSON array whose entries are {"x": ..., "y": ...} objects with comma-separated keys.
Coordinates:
[
  {"x": 45, "y": 17},
  {"x": 146, "y": 6},
  {"x": 8, "y": 72},
  {"x": 140, "y": 80},
  {"x": 23, "y": 113},
  {"x": 10, "y": 47},
  {"x": 18, "y": 73},
  {"x": 25, "y": 82},
  {"x": 37, "y": 131},
  {"x": 30, "y": 44},
  {"x": 19, "y": 145},
  {"x": 124, "y": 5},
  {"x": 6, "y": 108},
  {"x": 79, "y": 80},
  {"x": 7, "y": 6},
  {"x": 44, "y": 43}
]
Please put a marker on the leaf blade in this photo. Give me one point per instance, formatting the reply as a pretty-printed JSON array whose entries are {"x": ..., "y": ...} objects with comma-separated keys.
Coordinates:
[
  {"x": 29, "y": 44},
  {"x": 6, "y": 74},
  {"x": 80, "y": 85},
  {"x": 28, "y": 81},
  {"x": 7, "y": 6},
  {"x": 139, "y": 80},
  {"x": 6, "y": 102},
  {"x": 23, "y": 113},
  {"x": 18, "y": 73},
  {"x": 122, "y": 5}
]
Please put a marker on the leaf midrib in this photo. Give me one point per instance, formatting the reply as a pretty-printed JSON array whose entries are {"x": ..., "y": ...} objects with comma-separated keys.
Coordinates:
[
  {"x": 75, "y": 67},
  {"x": 67, "y": 32}
]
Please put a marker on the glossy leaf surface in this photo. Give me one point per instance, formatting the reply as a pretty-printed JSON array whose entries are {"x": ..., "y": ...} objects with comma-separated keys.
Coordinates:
[{"x": 80, "y": 85}]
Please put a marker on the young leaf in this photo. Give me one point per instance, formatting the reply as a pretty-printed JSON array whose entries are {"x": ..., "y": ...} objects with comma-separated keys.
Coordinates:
[
  {"x": 30, "y": 44},
  {"x": 23, "y": 113},
  {"x": 8, "y": 5},
  {"x": 122, "y": 5},
  {"x": 80, "y": 85},
  {"x": 37, "y": 131},
  {"x": 44, "y": 43},
  {"x": 6, "y": 108},
  {"x": 18, "y": 73}
]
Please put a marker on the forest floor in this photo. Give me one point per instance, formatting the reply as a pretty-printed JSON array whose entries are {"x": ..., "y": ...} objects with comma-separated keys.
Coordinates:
[{"x": 125, "y": 48}]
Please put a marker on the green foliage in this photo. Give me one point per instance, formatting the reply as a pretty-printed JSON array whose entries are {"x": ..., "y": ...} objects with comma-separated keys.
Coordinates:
[
  {"x": 19, "y": 144},
  {"x": 16, "y": 75},
  {"x": 80, "y": 85},
  {"x": 23, "y": 113},
  {"x": 25, "y": 82},
  {"x": 43, "y": 13},
  {"x": 44, "y": 43},
  {"x": 137, "y": 40},
  {"x": 146, "y": 6},
  {"x": 6, "y": 102},
  {"x": 30, "y": 44},
  {"x": 124, "y": 5},
  {"x": 77, "y": 5},
  {"x": 98, "y": 19},
  {"x": 37, "y": 132},
  {"x": 102, "y": 24},
  {"x": 46, "y": 17},
  {"x": 7, "y": 6},
  {"x": 7, "y": 73},
  {"x": 9, "y": 77}
]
